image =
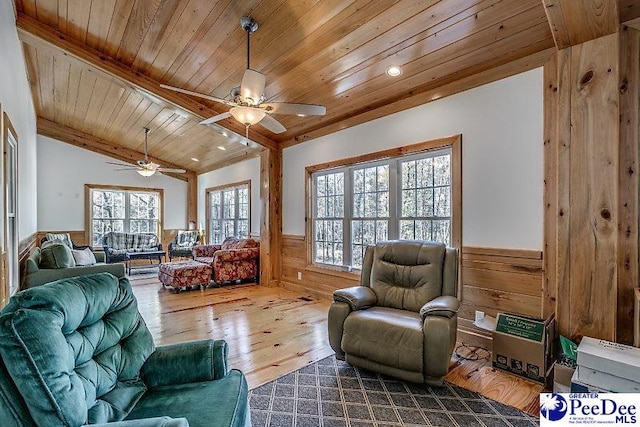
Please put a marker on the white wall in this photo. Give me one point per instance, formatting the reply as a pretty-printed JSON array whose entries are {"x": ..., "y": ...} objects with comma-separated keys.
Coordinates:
[
  {"x": 241, "y": 171},
  {"x": 64, "y": 170},
  {"x": 501, "y": 125},
  {"x": 16, "y": 101}
]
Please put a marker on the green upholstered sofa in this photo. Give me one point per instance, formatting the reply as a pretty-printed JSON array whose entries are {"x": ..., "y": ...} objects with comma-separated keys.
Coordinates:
[
  {"x": 34, "y": 275},
  {"x": 77, "y": 351}
]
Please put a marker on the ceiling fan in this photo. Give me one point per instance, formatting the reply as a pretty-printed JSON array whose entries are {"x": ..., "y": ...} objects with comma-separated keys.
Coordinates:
[
  {"x": 146, "y": 167},
  {"x": 247, "y": 101}
]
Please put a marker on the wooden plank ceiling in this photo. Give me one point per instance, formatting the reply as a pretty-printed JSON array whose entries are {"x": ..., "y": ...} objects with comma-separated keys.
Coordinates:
[{"x": 331, "y": 52}]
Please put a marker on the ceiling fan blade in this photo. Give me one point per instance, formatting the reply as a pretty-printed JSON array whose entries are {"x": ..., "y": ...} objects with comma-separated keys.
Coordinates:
[
  {"x": 201, "y": 95},
  {"x": 216, "y": 118},
  {"x": 291, "y": 108},
  {"x": 252, "y": 86},
  {"x": 170, "y": 170},
  {"x": 127, "y": 169},
  {"x": 272, "y": 124},
  {"x": 122, "y": 164}
]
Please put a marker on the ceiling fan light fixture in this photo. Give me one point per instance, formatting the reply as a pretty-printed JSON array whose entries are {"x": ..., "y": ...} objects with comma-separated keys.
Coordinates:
[
  {"x": 393, "y": 71},
  {"x": 247, "y": 115},
  {"x": 301, "y": 115},
  {"x": 146, "y": 172}
]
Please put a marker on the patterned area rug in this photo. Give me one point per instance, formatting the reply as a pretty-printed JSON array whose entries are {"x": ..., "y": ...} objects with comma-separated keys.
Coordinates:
[{"x": 331, "y": 393}]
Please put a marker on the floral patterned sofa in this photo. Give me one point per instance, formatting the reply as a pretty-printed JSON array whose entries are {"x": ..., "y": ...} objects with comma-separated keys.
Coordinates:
[{"x": 235, "y": 259}]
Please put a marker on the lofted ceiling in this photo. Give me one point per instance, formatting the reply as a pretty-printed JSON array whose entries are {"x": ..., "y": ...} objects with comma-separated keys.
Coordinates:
[{"x": 95, "y": 66}]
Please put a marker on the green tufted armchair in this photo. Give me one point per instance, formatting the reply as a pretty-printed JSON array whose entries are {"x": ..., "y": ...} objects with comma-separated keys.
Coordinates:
[{"x": 77, "y": 352}]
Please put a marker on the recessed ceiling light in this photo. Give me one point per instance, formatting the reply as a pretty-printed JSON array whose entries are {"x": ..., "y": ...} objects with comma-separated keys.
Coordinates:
[
  {"x": 224, "y": 134},
  {"x": 220, "y": 147},
  {"x": 194, "y": 159},
  {"x": 394, "y": 71}
]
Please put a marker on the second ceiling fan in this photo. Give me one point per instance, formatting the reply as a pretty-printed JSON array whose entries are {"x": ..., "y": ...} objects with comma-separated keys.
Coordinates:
[{"x": 247, "y": 102}]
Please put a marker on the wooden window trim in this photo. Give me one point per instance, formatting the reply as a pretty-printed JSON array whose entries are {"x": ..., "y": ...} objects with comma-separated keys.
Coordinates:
[
  {"x": 87, "y": 206},
  {"x": 8, "y": 128},
  {"x": 207, "y": 213},
  {"x": 453, "y": 142}
]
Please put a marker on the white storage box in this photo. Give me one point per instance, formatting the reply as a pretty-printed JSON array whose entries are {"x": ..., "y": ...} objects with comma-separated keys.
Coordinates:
[
  {"x": 618, "y": 360},
  {"x": 578, "y": 387},
  {"x": 605, "y": 381}
]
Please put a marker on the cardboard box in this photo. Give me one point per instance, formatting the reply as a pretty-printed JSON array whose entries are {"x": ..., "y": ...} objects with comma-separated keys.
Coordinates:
[
  {"x": 614, "y": 359},
  {"x": 524, "y": 346},
  {"x": 562, "y": 378}
]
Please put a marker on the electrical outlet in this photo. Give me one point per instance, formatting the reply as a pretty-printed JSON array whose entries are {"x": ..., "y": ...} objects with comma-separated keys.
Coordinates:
[
  {"x": 299, "y": 275},
  {"x": 479, "y": 315}
]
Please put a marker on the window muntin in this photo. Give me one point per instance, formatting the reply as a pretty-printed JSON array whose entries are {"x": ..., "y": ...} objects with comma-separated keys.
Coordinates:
[
  {"x": 425, "y": 212},
  {"x": 229, "y": 212},
  {"x": 407, "y": 197},
  {"x": 329, "y": 218},
  {"x": 370, "y": 214},
  {"x": 129, "y": 211}
]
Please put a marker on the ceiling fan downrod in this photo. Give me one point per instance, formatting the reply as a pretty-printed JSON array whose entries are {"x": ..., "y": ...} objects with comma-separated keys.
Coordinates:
[
  {"x": 146, "y": 133},
  {"x": 249, "y": 25}
]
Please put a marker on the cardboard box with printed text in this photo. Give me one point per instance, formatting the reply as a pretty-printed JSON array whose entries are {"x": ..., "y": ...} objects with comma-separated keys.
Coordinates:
[{"x": 524, "y": 346}]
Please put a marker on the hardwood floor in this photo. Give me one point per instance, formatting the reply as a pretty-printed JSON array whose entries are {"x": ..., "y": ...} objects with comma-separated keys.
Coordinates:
[{"x": 273, "y": 331}]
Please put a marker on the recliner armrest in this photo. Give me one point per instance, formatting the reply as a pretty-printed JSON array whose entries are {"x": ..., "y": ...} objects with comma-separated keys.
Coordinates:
[
  {"x": 443, "y": 306},
  {"x": 358, "y": 297},
  {"x": 187, "y": 362}
]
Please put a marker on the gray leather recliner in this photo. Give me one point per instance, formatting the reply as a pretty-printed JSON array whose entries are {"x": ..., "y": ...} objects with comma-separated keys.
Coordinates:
[{"x": 402, "y": 319}]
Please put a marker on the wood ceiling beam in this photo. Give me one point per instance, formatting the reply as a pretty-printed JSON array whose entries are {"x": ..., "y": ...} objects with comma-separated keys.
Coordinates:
[
  {"x": 42, "y": 36},
  {"x": 573, "y": 22},
  {"x": 101, "y": 146}
]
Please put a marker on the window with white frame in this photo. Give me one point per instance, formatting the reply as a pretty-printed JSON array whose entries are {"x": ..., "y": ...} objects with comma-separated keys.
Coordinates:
[
  {"x": 357, "y": 205},
  {"x": 129, "y": 211},
  {"x": 228, "y": 212}
]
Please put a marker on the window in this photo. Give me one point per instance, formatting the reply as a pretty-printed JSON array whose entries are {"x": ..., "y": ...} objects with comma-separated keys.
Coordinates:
[
  {"x": 10, "y": 203},
  {"x": 358, "y": 202},
  {"x": 228, "y": 212},
  {"x": 125, "y": 210}
]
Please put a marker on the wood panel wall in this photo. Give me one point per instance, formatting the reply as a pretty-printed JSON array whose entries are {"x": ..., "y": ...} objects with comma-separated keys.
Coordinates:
[
  {"x": 493, "y": 280},
  {"x": 628, "y": 200},
  {"x": 317, "y": 282},
  {"x": 591, "y": 216},
  {"x": 25, "y": 246},
  {"x": 498, "y": 280}
]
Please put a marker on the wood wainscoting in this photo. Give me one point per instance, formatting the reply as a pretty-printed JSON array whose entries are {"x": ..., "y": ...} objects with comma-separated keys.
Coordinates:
[
  {"x": 497, "y": 280},
  {"x": 493, "y": 280},
  {"x": 315, "y": 281},
  {"x": 25, "y": 246}
]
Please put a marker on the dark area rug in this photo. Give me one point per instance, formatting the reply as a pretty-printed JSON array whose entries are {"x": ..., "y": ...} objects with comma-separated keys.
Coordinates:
[{"x": 331, "y": 393}]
